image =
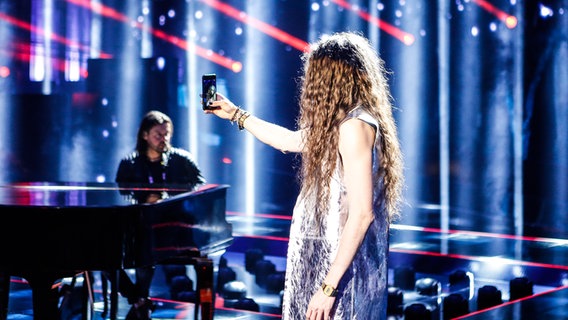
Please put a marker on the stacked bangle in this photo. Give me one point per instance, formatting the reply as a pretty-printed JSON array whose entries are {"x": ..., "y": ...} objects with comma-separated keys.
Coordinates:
[
  {"x": 241, "y": 121},
  {"x": 234, "y": 117},
  {"x": 239, "y": 117}
]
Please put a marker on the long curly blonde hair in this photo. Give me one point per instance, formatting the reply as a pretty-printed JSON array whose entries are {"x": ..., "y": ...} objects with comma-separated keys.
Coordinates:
[{"x": 342, "y": 71}]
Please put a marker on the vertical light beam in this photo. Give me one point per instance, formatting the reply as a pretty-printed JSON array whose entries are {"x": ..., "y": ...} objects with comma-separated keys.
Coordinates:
[{"x": 444, "y": 109}]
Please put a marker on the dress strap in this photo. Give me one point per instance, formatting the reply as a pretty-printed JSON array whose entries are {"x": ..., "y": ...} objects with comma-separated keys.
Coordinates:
[{"x": 364, "y": 116}]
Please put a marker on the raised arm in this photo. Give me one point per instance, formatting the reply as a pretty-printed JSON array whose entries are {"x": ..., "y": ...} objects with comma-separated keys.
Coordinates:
[{"x": 269, "y": 133}]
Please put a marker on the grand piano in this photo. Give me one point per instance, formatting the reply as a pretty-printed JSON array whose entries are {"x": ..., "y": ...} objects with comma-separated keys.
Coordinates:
[{"x": 51, "y": 231}]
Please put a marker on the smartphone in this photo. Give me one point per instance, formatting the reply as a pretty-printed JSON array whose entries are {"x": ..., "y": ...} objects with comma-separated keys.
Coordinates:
[{"x": 208, "y": 90}]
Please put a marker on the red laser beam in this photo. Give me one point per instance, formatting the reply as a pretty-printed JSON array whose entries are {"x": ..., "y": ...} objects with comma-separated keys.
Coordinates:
[
  {"x": 22, "y": 53},
  {"x": 509, "y": 20},
  {"x": 406, "y": 38},
  {"x": 108, "y": 12},
  {"x": 472, "y": 315},
  {"x": 478, "y": 258},
  {"x": 260, "y": 25},
  {"x": 480, "y": 234},
  {"x": 55, "y": 37}
]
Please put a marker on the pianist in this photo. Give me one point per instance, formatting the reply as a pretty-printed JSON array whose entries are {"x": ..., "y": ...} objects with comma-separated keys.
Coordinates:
[{"x": 154, "y": 161}]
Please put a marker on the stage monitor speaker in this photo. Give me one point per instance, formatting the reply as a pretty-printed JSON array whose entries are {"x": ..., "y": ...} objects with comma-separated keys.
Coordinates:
[
  {"x": 251, "y": 257},
  {"x": 417, "y": 311},
  {"x": 488, "y": 296},
  {"x": 455, "y": 305},
  {"x": 404, "y": 278},
  {"x": 428, "y": 287},
  {"x": 395, "y": 301},
  {"x": 520, "y": 287}
]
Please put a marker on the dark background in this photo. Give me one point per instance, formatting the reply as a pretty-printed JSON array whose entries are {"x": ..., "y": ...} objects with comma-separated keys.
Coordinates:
[{"x": 481, "y": 105}]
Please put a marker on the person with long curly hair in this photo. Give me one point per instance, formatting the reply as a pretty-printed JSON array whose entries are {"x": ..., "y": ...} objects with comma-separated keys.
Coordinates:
[{"x": 351, "y": 180}]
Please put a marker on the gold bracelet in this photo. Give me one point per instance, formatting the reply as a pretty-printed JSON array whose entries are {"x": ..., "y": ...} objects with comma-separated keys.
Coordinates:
[
  {"x": 242, "y": 119},
  {"x": 234, "y": 117}
]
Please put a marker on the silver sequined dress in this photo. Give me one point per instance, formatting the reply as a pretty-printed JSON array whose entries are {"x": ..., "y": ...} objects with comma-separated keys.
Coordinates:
[{"x": 362, "y": 291}]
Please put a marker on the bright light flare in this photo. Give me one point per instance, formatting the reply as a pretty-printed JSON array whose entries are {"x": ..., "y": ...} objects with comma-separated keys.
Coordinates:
[
  {"x": 509, "y": 20},
  {"x": 4, "y": 72},
  {"x": 545, "y": 11}
]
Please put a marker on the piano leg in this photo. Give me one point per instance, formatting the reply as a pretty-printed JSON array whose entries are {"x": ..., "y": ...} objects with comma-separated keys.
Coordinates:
[
  {"x": 4, "y": 294},
  {"x": 114, "y": 294},
  {"x": 105, "y": 279},
  {"x": 45, "y": 297},
  {"x": 205, "y": 293},
  {"x": 110, "y": 277}
]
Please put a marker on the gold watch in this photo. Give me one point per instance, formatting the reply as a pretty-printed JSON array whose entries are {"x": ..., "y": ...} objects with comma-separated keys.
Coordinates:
[{"x": 329, "y": 290}]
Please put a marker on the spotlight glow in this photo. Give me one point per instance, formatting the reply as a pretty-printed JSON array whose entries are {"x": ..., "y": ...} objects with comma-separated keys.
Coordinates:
[
  {"x": 545, "y": 11},
  {"x": 474, "y": 31},
  {"x": 161, "y": 63},
  {"x": 4, "y": 72}
]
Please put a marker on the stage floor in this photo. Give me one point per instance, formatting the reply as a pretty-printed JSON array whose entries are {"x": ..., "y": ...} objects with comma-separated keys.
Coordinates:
[{"x": 426, "y": 267}]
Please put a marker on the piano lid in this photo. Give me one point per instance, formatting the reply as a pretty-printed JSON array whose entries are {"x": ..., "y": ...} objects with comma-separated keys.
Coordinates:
[{"x": 90, "y": 194}]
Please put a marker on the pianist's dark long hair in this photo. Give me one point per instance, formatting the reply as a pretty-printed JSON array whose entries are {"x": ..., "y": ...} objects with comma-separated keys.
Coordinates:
[{"x": 151, "y": 119}]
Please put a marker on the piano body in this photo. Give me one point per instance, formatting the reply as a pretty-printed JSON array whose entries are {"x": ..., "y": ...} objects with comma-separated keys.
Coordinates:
[{"x": 51, "y": 231}]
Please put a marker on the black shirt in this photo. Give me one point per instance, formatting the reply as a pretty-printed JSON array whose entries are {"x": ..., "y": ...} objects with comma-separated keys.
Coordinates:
[{"x": 176, "y": 167}]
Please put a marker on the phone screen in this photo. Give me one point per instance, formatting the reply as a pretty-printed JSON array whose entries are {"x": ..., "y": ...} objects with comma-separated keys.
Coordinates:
[{"x": 208, "y": 89}]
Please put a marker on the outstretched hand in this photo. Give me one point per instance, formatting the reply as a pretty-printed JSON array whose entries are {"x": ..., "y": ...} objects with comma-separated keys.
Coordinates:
[{"x": 222, "y": 107}]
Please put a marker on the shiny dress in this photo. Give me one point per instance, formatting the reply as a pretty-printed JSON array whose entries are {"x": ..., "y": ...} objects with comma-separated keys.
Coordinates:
[{"x": 362, "y": 291}]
